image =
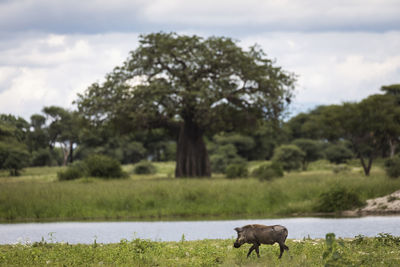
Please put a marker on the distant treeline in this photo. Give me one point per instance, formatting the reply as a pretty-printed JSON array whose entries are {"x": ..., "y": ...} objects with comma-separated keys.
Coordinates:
[{"x": 365, "y": 130}]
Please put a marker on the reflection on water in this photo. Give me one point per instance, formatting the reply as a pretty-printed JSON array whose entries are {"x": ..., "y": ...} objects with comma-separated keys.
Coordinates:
[{"x": 113, "y": 232}]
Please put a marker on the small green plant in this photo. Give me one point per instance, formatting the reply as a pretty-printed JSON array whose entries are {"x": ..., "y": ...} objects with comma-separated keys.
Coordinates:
[
  {"x": 236, "y": 171},
  {"x": 392, "y": 167},
  {"x": 144, "y": 167},
  {"x": 267, "y": 172},
  {"x": 104, "y": 167},
  {"x": 337, "y": 199}
]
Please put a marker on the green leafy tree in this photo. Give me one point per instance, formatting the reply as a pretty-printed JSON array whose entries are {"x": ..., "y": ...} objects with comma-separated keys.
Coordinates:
[
  {"x": 64, "y": 129},
  {"x": 311, "y": 149},
  {"x": 290, "y": 157},
  {"x": 193, "y": 87},
  {"x": 392, "y": 116},
  {"x": 338, "y": 153},
  {"x": 14, "y": 155}
]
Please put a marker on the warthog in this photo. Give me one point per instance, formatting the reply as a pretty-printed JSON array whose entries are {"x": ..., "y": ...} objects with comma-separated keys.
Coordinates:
[{"x": 258, "y": 234}]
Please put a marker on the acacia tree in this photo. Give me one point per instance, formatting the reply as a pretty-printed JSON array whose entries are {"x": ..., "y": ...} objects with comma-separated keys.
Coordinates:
[{"x": 192, "y": 86}]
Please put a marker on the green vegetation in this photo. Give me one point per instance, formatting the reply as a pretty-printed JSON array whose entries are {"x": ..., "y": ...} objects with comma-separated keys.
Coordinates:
[
  {"x": 382, "y": 250},
  {"x": 38, "y": 195},
  {"x": 238, "y": 170},
  {"x": 392, "y": 167},
  {"x": 338, "y": 198},
  {"x": 268, "y": 171},
  {"x": 145, "y": 167}
]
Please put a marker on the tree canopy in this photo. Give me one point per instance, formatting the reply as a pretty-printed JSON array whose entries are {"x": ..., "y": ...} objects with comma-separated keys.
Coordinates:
[{"x": 191, "y": 86}]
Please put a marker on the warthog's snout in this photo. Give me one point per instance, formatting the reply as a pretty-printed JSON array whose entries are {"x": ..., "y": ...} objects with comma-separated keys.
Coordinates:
[{"x": 236, "y": 245}]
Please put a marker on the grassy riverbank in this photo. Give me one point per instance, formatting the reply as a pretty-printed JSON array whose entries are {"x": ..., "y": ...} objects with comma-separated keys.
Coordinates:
[
  {"x": 379, "y": 251},
  {"x": 37, "y": 195}
]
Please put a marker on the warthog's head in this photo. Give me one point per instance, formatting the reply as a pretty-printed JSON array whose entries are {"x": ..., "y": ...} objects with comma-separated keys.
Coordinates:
[{"x": 240, "y": 239}]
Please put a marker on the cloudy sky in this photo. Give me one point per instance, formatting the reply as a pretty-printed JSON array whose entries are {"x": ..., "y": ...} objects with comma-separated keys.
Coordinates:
[{"x": 341, "y": 50}]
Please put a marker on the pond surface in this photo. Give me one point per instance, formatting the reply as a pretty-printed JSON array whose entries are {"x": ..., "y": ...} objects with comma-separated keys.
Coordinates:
[{"x": 113, "y": 232}]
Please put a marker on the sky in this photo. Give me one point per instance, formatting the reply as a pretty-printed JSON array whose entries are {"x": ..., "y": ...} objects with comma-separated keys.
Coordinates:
[{"x": 340, "y": 50}]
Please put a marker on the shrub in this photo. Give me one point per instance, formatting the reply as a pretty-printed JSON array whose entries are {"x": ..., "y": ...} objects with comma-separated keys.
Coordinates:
[
  {"x": 289, "y": 156},
  {"x": 236, "y": 170},
  {"x": 340, "y": 168},
  {"x": 103, "y": 167},
  {"x": 268, "y": 171},
  {"x": 144, "y": 167},
  {"x": 74, "y": 171},
  {"x": 338, "y": 154},
  {"x": 338, "y": 199},
  {"x": 223, "y": 156},
  {"x": 392, "y": 167}
]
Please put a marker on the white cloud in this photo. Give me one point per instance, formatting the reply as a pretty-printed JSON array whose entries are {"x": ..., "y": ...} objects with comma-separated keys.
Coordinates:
[
  {"x": 51, "y": 69},
  {"x": 334, "y": 67}
]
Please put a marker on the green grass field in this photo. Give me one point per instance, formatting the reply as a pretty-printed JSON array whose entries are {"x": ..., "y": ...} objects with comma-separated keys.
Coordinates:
[
  {"x": 383, "y": 250},
  {"x": 37, "y": 194}
]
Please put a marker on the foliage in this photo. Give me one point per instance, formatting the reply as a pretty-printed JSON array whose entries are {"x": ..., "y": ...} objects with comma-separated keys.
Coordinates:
[
  {"x": 311, "y": 149},
  {"x": 224, "y": 155},
  {"x": 192, "y": 87},
  {"x": 336, "y": 199},
  {"x": 289, "y": 156},
  {"x": 268, "y": 171},
  {"x": 338, "y": 153},
  {"x": 340, "y": 168},
  {"x": 392, "y": 167},
  {"x": 13, "y": 157},
  {"x": 74, "y": 171},
  {"x": 103, "y": 167},
  {"x": 236, "y": 171},
  {"x": 243, "y": 144},
  {"x": 144, "y": 167}
]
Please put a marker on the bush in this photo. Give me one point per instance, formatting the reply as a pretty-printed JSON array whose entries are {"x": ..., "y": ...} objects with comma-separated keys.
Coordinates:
[
  {"x": 338, "y": 199},
  {"x": 338, "y": 154},
  {"x": 223, "y": 156},
  {"x": 266, "y": 172},
  {"x": 236, "y": 171},
  {"x": 144, "y": 167},
  {"x": 41, "y": 157},
  {"x": 289, "y": 156},
  {"x": 340, "y": 168},
  {"x": 74, "y": 171},
  {"x": 104, "y": 167},
  {"x": 392, "y": 167}
]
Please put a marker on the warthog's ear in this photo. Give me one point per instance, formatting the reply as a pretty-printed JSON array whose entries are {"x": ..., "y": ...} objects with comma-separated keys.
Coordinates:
[{"x": 238, "y": 229}]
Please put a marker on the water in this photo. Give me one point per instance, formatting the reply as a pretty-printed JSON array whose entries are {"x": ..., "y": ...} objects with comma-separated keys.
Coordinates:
[{"x": 113, "y": 232}]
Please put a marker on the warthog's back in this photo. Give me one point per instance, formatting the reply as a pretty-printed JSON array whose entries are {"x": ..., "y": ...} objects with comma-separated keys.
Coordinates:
[{"x": 266, "y": 234}]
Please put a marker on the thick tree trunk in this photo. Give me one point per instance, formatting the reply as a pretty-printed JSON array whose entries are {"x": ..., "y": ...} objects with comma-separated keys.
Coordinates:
[{"x": 191, "y": 155}]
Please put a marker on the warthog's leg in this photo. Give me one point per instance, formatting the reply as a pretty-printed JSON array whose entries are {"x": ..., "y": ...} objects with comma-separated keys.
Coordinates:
[
  {"x": 254, "y": 247},
  {"x": 251, "y": 250},
  {"x": 282, "y": 248},
  {"x": 258, "y": 251}
]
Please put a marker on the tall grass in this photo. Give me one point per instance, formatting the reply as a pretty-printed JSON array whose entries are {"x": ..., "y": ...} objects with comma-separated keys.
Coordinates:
[{"x": 33, "y": 197}]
